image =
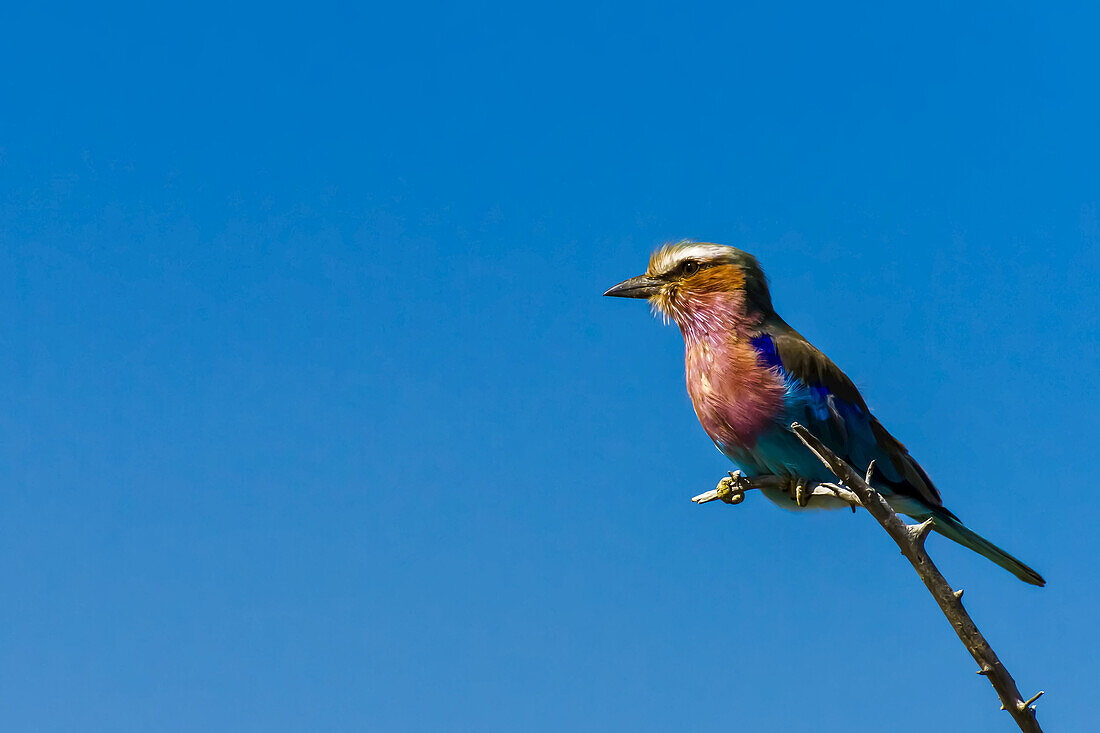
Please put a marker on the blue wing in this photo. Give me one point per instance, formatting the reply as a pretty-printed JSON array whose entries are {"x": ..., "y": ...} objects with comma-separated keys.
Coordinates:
[{"x": 824, "y": 399}]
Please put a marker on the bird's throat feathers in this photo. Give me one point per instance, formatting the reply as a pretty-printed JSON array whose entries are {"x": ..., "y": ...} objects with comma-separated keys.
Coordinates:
[
  {"x": 735, "y": 394},
  {"x": 713, "y": 303}
]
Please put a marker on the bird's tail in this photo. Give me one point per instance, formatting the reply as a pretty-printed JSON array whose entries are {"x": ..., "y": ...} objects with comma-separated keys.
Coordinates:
[{"x": 950, "y": 527}]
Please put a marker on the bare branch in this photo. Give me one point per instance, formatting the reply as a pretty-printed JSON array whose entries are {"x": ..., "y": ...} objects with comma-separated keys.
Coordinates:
[
  {"x": 855, "y": 490},
  {"x": 911, "y": 542}
]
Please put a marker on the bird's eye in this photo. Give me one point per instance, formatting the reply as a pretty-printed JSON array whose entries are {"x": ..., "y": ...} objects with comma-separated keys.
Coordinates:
[{"x": 690, "y": 268}]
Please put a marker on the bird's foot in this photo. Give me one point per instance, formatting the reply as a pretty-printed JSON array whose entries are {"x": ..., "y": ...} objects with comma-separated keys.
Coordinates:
[
  {"x": 801, "y": 492},
  {"x": 732, "y": 488}
]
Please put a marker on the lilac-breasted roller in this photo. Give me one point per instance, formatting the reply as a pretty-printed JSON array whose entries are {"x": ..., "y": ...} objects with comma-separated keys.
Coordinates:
[{"x": 750, "y": 375}]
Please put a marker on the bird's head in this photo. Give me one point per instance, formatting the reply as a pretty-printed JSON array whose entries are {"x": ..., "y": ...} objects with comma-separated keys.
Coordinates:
[{"x": 699, "y": 283}]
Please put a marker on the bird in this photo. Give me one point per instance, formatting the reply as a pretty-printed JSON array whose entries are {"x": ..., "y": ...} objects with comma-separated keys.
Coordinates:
[{"x": 750, "y": 376}]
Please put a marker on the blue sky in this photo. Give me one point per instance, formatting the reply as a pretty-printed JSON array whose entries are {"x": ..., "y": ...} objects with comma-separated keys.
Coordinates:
[{"x": 315, "y": 418}]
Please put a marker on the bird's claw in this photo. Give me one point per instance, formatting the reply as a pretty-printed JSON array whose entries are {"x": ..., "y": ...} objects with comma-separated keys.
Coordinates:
[
  {"x": 800, "y": 492},
  {"x": 732, "y": 488}
]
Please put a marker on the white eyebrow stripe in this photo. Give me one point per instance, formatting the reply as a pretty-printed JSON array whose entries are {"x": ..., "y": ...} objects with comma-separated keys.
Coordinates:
[{"x": 670, "y": 257}]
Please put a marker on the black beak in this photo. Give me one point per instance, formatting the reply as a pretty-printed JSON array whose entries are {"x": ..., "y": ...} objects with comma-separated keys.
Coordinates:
[{"x": 642, "y": 286}]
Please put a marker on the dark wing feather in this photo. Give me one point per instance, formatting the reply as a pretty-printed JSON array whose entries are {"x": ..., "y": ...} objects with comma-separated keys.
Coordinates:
[
  {"x": 913, "y": 475},
  {"x": 807, "y": 363}
]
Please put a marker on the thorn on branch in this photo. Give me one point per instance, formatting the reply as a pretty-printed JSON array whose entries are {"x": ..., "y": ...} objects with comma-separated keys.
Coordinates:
[
  {"x": 918, "y": 532},
  {"x": 959, "y": 594},
  {"x": 1034, "y": 697}
]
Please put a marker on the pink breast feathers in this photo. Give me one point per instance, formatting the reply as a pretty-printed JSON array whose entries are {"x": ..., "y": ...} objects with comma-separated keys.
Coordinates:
[{"x": 735, "y": 396}]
